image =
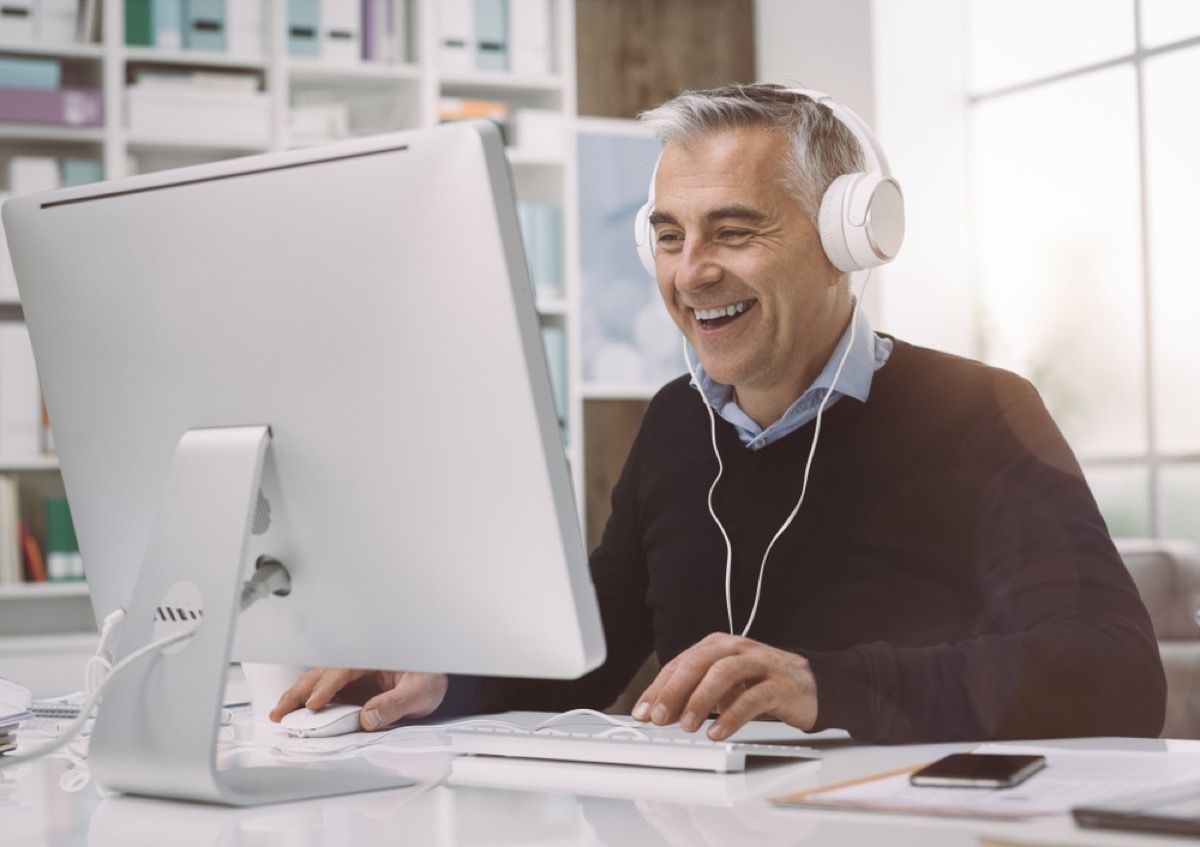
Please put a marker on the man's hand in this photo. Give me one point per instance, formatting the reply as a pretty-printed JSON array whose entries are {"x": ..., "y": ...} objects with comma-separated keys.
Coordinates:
[
  {"x": 737, "y": 677},
  {"x": 386, "y": 696}
]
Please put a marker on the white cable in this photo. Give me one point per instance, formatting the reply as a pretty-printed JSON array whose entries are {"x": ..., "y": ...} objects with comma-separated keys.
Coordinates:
[
  {"x": 712, "y": 421},
  {"x": 85, "y": 711},
  {"x": 712, "y": 428}
]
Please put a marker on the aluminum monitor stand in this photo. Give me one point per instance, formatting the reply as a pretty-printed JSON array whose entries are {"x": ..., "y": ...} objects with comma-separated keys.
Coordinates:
[{"x": 156, "y": 731}]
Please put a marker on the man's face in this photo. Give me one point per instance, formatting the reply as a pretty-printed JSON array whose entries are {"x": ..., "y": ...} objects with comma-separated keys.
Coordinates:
[{"x": 740, "y": 265}]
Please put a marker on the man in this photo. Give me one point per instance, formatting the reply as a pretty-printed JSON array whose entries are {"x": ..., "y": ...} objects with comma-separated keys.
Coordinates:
[{"x": 872, "y": 536}]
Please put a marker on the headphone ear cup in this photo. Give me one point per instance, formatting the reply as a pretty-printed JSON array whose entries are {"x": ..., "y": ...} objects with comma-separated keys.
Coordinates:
[
  {"x": 643, "y": 234},
  {"x": 861, "y": 221},
  {"x": 831, "y": 223}
]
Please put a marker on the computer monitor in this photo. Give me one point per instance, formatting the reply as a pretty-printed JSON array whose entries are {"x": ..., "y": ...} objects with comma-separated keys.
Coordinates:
[{"x": 331, "y": 357}]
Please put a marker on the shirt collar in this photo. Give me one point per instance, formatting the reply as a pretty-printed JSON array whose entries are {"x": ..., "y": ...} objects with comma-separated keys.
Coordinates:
[{"x": 867, "y": 354}]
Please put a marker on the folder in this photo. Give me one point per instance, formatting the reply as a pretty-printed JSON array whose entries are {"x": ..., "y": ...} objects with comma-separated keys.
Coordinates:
[
  {"x": 491, "y": 35},
  {"x": 529, "y": 36},
  {"x": 204, "y": 25},
  {"x": 341, "y": 31},
  {"x": 303, "y": 28},
  {"x": 456, "y": 36}
]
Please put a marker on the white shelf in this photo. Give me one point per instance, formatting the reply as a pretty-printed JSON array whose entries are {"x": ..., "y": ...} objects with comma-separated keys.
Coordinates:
[
  {"x": 24, "y": 464},
  {"x": 27, "y": 590}
]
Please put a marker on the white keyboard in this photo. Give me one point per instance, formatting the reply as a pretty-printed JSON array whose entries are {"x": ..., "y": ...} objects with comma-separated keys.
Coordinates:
[{"x": 620, "y": 747}]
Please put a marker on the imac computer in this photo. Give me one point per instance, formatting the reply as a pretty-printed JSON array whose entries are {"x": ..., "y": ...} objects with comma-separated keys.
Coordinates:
[{"x": 330, "y": 358}]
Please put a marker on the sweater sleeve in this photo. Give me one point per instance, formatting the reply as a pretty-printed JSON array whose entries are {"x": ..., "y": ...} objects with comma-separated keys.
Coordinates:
[{"x": 1065, "y": 648}]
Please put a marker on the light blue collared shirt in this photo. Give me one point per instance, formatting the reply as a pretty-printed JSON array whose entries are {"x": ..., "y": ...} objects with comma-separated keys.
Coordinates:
[{"x": 869, "y": 354}]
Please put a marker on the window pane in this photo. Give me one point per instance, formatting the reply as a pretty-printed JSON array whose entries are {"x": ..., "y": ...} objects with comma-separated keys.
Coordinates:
[
  {"x": 1172, "y": 138},
  {"x": 1011, "y": 41},
  {"x": 1056, "y": 230},
  {"x": 1164, "y": 21},
  {"x": 1124, "y": 498},
  {"x": 1180, "y": 497}
]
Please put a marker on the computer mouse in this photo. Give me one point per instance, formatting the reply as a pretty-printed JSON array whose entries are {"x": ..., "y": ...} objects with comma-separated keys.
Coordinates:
[{"x": 334, "y": 719}]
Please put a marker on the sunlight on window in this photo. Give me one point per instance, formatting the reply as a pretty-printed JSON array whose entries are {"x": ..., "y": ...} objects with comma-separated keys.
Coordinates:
[
  {"x": 1164, "y": 21},
  {"x": 1057, "y": 251},
  {"x": 1173, "y": 127},
  {"x": 1180, "y": 493},
  {"x": 1123, "y": 495},
  {"x": 1012, "y": 41}
]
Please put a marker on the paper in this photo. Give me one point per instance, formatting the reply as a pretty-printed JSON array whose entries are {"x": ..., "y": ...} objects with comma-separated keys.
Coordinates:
[{"x": 1071, "y": 778}]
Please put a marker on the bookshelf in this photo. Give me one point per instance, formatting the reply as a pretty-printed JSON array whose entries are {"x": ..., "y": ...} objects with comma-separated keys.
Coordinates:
[{"x": 265, "y": 97}]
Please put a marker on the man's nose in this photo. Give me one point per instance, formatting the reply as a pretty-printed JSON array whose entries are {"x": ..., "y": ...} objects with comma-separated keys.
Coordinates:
[{"x": 697, "y": 266}]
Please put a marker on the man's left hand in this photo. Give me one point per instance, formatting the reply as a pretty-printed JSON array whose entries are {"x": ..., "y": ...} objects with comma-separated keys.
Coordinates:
[{"x": 740, "y": 678}]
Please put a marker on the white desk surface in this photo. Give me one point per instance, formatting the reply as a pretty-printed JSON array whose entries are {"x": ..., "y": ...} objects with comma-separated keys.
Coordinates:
[{"x": 480, "y": 802}]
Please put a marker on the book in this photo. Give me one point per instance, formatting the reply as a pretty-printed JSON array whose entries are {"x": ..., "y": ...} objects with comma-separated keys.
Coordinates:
[
  {"x": 57, "y": 21},
  {"x": 35, "y": 562}
]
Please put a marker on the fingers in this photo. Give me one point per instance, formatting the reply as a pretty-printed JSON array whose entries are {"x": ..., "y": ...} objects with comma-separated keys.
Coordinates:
[
  {"x": 412, "y": 695},
  {"x": 740, "y": 678},
  {"x": 315, "y": 689}
]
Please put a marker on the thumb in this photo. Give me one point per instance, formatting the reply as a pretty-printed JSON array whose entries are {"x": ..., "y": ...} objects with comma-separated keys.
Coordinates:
[{"x": 414, "y": 695}]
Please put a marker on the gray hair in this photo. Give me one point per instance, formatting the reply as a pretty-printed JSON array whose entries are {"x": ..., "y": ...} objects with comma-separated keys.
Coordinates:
[{"x": 822, "y": 147}]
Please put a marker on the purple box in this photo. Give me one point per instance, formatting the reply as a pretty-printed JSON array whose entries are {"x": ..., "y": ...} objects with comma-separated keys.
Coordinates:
[{"x": 62, "y": 106}]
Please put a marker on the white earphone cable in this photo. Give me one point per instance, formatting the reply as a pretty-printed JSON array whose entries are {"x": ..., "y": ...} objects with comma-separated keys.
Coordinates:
[{"x": 803, "y": 486}]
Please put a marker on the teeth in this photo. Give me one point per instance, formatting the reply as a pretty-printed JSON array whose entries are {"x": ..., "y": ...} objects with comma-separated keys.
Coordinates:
[{"x": 722, "y": 311}]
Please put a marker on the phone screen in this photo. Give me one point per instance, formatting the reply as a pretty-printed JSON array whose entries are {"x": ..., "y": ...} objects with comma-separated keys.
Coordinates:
[{"x": 979, "y": 770}]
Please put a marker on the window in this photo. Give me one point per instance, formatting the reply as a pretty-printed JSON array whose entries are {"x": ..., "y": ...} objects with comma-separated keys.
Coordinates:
[{"x": 1083, "y": 174}]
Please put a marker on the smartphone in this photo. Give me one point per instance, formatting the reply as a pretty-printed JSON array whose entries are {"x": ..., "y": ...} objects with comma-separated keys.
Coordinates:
[{"x": 979, "y": 770}]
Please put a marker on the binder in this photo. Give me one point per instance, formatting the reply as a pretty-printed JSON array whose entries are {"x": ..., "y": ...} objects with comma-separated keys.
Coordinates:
[
  {"x": 341, "y": 31},
  {"x": 20, "y": 395},
  {"x": 167, "y": 23},
  {"x": 22, "y": 72},
  {"x": 456, "y": 36},
  {"x": 8, "y": 279},
  {"x": 56, "y": 21},
  {"x": 303, "y": 28},
  {"x": 139, "y": 23},
  {"x": 244, "y": 28},
  {"x": 204, "y": 27},
  {"x": 529, "y": 37},
  {"x": 491, "y": 35},
  {"x": 16, "y": 21}
]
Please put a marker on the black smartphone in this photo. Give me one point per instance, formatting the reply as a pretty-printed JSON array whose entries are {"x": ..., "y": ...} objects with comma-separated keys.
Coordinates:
[{"x": 979, "y": 770}]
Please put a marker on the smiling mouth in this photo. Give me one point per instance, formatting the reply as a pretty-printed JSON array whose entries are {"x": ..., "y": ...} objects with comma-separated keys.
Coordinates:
[{"x": 722, "y": 315}]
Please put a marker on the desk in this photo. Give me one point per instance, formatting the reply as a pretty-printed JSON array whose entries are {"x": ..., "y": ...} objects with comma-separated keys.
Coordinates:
[{"x": 465, "y": 801}]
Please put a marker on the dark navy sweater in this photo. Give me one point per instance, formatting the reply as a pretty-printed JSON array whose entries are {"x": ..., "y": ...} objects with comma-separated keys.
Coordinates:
[{"x": 948, "y": 576}]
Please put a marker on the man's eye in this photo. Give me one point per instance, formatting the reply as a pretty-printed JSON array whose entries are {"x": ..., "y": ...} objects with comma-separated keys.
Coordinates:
[
  {"x": 668, "y": 239},
  {"x": 735, "y": 234}
]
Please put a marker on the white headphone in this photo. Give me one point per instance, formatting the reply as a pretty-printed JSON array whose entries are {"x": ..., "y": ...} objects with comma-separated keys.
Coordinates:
[{"x": 861, "y": 220}]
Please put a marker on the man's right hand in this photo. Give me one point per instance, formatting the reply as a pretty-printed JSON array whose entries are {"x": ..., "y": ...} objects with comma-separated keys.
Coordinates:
[{"x": 385, "y": 696}]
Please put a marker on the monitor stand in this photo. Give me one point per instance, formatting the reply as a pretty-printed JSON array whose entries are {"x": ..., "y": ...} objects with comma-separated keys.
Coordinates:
[{"x": 156, "y": 731}]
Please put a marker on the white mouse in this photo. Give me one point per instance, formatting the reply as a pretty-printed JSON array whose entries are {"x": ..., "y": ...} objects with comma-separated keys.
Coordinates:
[{"x": 334, "y": 719}]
